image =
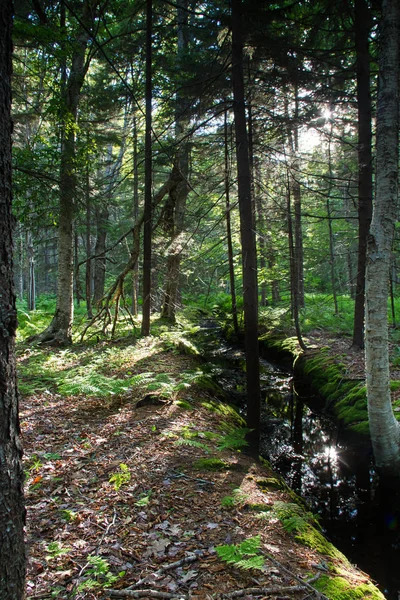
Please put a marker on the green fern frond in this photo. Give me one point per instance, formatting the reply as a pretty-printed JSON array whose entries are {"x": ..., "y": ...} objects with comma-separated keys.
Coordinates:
[
  {"x": 295, "y": 523},
  {"x": 192, "y": 443},
  {"x": 251, "y": 545},
  {"x": 255, "y": 562},
  {"x": 234, "y": 439},
  {"x": 244, "y": 555}
]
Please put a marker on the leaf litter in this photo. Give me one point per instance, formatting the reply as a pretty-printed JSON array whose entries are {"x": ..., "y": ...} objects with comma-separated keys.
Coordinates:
[{"x": 155, "y": 534}]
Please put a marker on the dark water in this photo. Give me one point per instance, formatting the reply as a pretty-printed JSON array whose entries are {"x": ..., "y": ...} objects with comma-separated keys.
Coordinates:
[
  {"x": 333, "y": 471},
  {"x": 335, "y": 474}
]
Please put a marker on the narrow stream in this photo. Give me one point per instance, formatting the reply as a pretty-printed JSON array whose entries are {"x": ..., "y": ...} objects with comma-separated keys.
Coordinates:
[{"x": 330, "y": 469}]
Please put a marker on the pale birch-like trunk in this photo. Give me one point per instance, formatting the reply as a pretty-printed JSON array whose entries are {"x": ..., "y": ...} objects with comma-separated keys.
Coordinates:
[{"x": 385, "y": 432}]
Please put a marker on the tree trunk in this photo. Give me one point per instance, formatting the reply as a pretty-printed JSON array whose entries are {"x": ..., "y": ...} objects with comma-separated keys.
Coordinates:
[
  {"x": 179, "y": 195},
  {"x": 332, "y": 257},
  {"x": 293, "y": 136},
  {"x": 260, "y": 227},
  {"x": 384, "y": 428},
  {"x": 229, "y": 228},
  {"x": 136, "y": 240},
  {"x": 88, "y": 274},
  {"x": 294, "y": 284},
  {"x": 60, "y": 328},
  {"x": 99, "y": 278},
  {"x": 12, "y": 512},
  {"x": 247, "y": 235},
  {"x": 147, "y": 225},
  {"x": 30, "y": 250},
  {"x": 364, "y": 104}
]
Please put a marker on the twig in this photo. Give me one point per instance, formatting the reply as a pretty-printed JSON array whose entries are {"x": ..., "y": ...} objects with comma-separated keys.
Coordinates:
[
  {"x": 288, "y": 589},
  {"x": 142, "y": 594},
  {"x": 178, "y": 563},
  {"x": 305, "y": 584},
  {"x": 291, "y": 589},
  {"x": 179, "y": 475}
]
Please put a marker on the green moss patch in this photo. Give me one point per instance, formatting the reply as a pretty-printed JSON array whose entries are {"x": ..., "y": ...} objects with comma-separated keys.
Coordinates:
[
  {"x": 210, "y": 464},
  {"x": 316, "y": 541},
  {"x": 338, "y": 588}
]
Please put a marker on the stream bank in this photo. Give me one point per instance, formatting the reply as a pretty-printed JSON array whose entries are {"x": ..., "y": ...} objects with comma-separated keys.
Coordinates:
[
  {"x": 324, "y": 458},
  {"x": 332, "y": 464}
]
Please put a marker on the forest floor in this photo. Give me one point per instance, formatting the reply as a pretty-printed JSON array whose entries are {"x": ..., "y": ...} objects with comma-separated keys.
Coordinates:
[{"x": 131, "y": 495}]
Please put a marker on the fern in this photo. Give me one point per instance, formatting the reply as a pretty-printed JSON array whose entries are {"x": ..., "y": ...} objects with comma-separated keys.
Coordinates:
[
  {"x": 192, "y": 443},
  {"x": 295, "y": 523},
  {"x": 292, "y": 516},
  {"x": 244, "y": 555},
  {"x": 234, "y": 439}
]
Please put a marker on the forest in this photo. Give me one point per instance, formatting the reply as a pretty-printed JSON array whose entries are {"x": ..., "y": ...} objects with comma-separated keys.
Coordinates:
[{"x": 187, "y": 189}]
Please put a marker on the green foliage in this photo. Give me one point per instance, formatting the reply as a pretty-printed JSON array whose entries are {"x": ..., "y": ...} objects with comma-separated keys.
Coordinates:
[
  {"x": 210, "y": 464},
  {"x": 237, "y": 497},
  {"x": 99, "y": 575},
  {"x": 55, "y": 550},
  {"x": 92, "y": 383},
  {"x": 234, "y": 439},
  {"x": 144, "y": 498},
  {"x": 224, "y": 410},
  {"x": 68, "y": 515},
  {"x": 192, "y": 443},
  {"x": 178, "y": 340},
  {"x": 339, "y": 588},
  {"x": 122, "y": 477},
  {"x": 292, "y": 516},
  {"x": 244, "y": 555}
]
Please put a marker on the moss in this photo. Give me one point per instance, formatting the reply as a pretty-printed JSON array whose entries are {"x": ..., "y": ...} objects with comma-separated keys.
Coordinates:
[
  {"x": 259, "y": 508},
  {"x": 270, "y": 483},
  {"x": 225, "y": 410},
  {"x": 316, "y": 541},
  {"x": 210, "y": 464},
  {"x": 338, "y": 588},
  {"x": 184, "y": 404}
]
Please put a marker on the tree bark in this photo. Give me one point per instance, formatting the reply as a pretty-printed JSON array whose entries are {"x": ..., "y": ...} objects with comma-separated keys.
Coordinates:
[
  {"x": 101, "y": 215},
  {"x": 294, "y": 284},
  {"x": 247, "y": 234},
  {"x": 364, "y": 105},
  {"x": 147, "y": 225},
  {"x": 12, "y": 512},
  {"x": 229, "y": 228},
  {"x": 60, "y": 328},
  {"x": 136, "y": 240},
  {"x": 384, "y": 428},
  {"x": 179, "y": 195},
  {"x": 30, "y": 250},
  {"x": 88, "y": 274}
]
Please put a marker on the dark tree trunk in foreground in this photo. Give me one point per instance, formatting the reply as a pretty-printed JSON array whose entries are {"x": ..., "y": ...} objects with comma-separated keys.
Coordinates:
[
  {"x": 12, "y": 512},
  {"x": 147, "y": 225},
  {"x": 362, "y": 29},
  {"x": 247, "y": 234},
  {"x": 384, "y": 428}
]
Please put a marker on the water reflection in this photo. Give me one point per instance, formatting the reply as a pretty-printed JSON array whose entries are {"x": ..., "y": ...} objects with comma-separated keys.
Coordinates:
[
  {"x": 330, "y": 469},
  {"x": 334, "y": 473}
]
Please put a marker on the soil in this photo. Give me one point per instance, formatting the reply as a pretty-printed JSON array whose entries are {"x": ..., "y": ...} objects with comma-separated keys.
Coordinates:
[{"x": 119, "y": 480}]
